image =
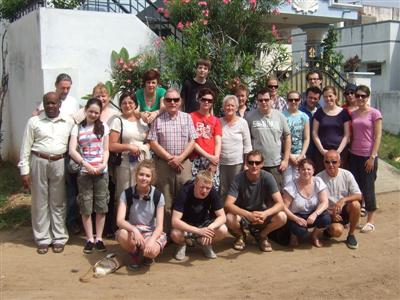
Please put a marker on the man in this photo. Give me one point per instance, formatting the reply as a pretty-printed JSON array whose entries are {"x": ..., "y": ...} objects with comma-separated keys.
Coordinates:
[
  {"x": 254, "y": 202},
  {"x": 172, "y": 137},
  {"x": 313, "y": 94},
  {"x": 278, "y": 102},
  {"x": 191, "y": 87},
  {"x": 270, "y": 134},
  {"x": 344, "y": 198},
  {"x": 198, "y": 215},
  {"x": 69, "y": 105},
  {"x": 314, "y": 79},
  {"x": 42, "y": 169}
]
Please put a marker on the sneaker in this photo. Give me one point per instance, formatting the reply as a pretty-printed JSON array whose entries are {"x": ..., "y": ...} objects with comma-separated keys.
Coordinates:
[
  {"x": 180, "y": 253},
  {"x": 135, "y": 264},
  {"x": 208, "y": 251},
  {"x": 148, "y": 261},
  {"x": 351, "y": 241},
  {"x": 88, "y": 247},
  {"x": 100, "y": 246}
]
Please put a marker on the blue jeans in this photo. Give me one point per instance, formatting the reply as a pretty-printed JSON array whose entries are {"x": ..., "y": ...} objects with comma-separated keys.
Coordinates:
[{"x": 322, "y": 221}]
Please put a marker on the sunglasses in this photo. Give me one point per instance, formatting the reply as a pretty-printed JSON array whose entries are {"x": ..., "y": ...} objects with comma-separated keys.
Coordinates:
[
  {"x": 361, "y": 96},
  {"x": 348, "y": 93},
  {"x": 206, "y": 100},
  {"x": 272, "y": 86},
  {"x": 333, "y": 162},
  {"x": 254, "y": 162},
  {"x": 263, "y": 100},
  {"x": 175, "y": 100},
  {"x": 293, "y": 100}
]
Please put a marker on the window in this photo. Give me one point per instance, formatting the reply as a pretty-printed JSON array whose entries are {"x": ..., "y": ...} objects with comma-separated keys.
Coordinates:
[{"x": 375, "y": 68}]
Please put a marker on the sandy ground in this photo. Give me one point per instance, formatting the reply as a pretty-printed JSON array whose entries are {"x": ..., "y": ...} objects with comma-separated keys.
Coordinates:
[{"x": 332, "y": 272}]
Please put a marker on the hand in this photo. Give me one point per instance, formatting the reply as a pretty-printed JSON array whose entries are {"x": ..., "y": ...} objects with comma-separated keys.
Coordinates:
[
  {"x": 134, "y": 150},
  {"x": 205, "y": 241},
  {"x": 152, "y": 116},
  {"x": 301, "y": 222},
  {"x": 212, "y": 168},
  {"x": 175, "y": 163},
  {"x": 89, "y": 168},
  {"x": 283, "y": 166},
  {"x": 150, "y": 247},
  {"x": 339, "y": 206},
  {"x": 26, "y": 181},
  {"x": 336, "y": 218},
  {"x": 214, "y": 159},
  {"x": 260, "y": 216},
  {"x": 138, "y": 238},
  {"x": 311, "y": 218},
  {"x": 145, "y": 116},
  {"x": 206, "y": 232},
  {"x": 369, "y": 165}
]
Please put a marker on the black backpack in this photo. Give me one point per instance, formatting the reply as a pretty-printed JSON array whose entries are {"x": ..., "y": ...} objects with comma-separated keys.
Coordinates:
[{"x": 129, "y": 200}]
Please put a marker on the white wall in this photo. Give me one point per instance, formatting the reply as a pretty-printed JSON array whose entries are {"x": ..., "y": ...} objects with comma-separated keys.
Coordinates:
[
  {"x": 49, "y": 41},
  {"x": 388, "y": 103}
]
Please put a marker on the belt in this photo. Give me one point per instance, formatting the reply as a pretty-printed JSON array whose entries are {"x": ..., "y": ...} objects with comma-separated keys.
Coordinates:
[{"x": 47, "y": 156}]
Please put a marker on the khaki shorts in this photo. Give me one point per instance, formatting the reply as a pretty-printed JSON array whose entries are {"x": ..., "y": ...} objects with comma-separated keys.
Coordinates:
[{"x": 93, "y": 193}]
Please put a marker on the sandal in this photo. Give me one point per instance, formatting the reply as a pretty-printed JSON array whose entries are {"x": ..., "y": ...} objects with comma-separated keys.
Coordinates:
[
  {"x": 369, "y": 227},
  {"x": 42, "y": 249},
  {"x": 264, "y": 245},
  {"x": 58, "y": 248},
  {"x": 317, "y": 243},
  {"x": 239, "y": 243}
]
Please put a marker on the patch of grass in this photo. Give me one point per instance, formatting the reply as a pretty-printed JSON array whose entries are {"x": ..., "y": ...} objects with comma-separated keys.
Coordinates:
[
  {"x": 10, "y": 181},
  {"x": 15, "y": 217},
  {"x": 390, "y": 149}
]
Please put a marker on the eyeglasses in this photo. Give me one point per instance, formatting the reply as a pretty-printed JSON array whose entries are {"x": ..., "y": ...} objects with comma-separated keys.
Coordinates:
[
  {"x": 254, "y": 162},
  {"x": 206, "y": 100},
  {"x": 263, "y": 99},
  {"x": 175, "y": 100},
  {"x": 333, "y": 162},
  {"x": 362, "y": 96},
  {"x": 272, "y": 86},
  {"x": 293, "y": 100},
  {"x": 348, "y": 93}
]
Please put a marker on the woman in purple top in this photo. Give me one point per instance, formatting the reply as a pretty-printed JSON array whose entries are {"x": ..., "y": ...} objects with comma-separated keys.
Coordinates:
[
  {"x": 331, "y": 129},
  {"x": 366, "y": 139}
]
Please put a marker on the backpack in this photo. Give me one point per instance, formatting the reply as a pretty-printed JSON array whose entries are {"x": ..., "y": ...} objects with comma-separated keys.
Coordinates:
[{"x": 129, "y": 200}]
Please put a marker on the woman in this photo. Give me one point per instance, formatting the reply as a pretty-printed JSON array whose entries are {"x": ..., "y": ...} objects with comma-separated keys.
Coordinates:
[
  {"x": 366, "y": 139},
  {"x": 207, "y": 148},
  {"x": 91, "y": 137},
  {"x": 350, "y": 101},
  {"x": 140, "y": 218},
  {"x": 133, "y": 147},
  {"x": 306, "y": 201},
  {"x": 150, "y": 96},
  {"x": 299, "y": 126},
  {"x": 108, "y": 112},
  {"x": 331, "y": 129},
  {"x": 242, "y": 94},
  {"x": 236, "y": 143}
]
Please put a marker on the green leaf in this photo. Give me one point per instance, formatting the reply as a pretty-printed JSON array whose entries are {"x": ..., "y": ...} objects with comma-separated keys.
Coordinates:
[
  {"x": 124, "y": 54},
  {"x": 114, "y": 58}
]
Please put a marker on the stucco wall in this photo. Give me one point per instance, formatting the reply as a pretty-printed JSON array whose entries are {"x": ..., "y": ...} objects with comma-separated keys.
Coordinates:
[
  {"x": 388, "y": 103},
  {"x": 47, "y": 42}
]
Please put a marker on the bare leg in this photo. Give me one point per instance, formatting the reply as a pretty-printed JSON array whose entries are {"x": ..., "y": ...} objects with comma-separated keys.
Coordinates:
[
  {"x": 354, "y": 210},
  {"x": 87, "y": 225},
  {"x": 100, "y": 220},
  {"x": 126, "y": 241},
  {"x": 277, "y": 221},
  {"x": 233, "y": 223}
]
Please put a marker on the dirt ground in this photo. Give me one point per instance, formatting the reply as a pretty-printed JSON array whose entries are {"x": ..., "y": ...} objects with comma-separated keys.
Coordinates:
[{"x": 333, "y": 272}]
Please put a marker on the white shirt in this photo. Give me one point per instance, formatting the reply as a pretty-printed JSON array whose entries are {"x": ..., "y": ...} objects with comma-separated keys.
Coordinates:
[
  {"x": 69, "y": 106},
  {"x": 44, "y": 135}
]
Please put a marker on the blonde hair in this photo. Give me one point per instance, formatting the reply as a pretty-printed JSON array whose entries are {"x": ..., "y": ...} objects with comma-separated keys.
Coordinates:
[
  {"x": 205, "y": 176},
  {"x": 100, "y": 87}
]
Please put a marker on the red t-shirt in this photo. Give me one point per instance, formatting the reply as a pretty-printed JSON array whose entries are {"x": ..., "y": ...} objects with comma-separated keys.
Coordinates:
[{"x": 207, "y": 128}]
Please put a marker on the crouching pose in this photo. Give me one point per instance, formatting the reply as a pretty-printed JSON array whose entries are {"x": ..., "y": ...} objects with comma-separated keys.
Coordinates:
[
  {"x": 198, "y": 216},
  {"x": 140, "y": 218},
  {"x": 254, "y": 203}
]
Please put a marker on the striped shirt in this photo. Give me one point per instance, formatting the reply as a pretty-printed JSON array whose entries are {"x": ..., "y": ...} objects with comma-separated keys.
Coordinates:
[{"x": 173, "y": 134}]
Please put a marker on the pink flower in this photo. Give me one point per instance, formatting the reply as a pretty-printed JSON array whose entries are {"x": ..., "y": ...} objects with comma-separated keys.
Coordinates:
[
  {"x": 227, "y": 1},
  {"x": 129, "y": 81},
  {"x": 166, "y": 13},
  {"x": 160, "y": 10},
  {"x": 204, "y": 21},
  {"x": 202, "y": 3},
  {"x": 165, "y": 2},
  {"x": 205, "y": 12},
  {"x": 253, "y": 2},
  {"x": 157, "y": 43},
  {"x": 120, "y": 61},
  {"x": 275, "y": 12},
  {"x": 185, "y": 1},
  {"x": 188, "y": 23},
  {"x": 180, "y": 25},
  {"x": 288, "y": 2},
  {"x": 125, "y": 67},
  {"x": 275, "y": 31}
]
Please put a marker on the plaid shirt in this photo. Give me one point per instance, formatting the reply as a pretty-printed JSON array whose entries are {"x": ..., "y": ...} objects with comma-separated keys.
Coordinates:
[
  {"x": 280, "y": 104},
  {"x": 173, "y": 134}
]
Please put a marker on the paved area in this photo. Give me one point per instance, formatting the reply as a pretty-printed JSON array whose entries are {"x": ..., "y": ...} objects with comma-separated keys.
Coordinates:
[{"x": 388, "y": 178}]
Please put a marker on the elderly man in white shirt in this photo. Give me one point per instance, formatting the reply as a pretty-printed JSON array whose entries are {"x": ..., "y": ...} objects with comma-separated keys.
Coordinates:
[{"x": 42, "y": 169}]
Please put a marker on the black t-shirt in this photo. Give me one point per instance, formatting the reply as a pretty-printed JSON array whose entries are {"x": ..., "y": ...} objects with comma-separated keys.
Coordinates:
[
  {"x": 197, "y": 211},
  {"x": 189, "y": 93},
  {"x": 254, "y": 196}
]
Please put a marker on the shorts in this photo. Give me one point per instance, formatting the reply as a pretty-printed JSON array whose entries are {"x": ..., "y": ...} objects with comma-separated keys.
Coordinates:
[
  {"x": 345, "y": 216},
  {"x": 93, "y": 193},
  {"x": 147, "y": 232},
  {"x": 254, "y": 229}
]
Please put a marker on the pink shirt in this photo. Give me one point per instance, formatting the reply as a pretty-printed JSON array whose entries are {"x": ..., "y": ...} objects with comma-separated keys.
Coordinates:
[{"x": 363, "y": 132}]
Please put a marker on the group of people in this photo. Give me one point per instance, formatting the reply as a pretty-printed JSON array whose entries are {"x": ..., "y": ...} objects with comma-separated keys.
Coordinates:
[{"x": 180, "y": 173}]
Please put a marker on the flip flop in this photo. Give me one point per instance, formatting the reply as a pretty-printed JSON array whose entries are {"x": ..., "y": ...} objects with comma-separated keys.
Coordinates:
[
  {"x": 369, "y": 227},
  {"x": 42, "y": 249},
  {"x": 58, "y": 248}
]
